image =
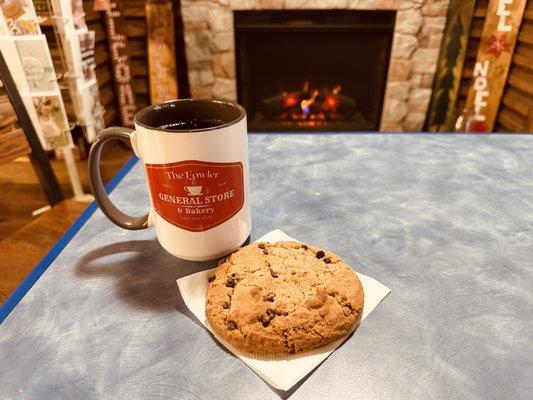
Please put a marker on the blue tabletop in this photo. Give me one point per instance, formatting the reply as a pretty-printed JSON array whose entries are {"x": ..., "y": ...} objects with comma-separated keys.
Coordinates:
[{"x": 445, "y": 221}]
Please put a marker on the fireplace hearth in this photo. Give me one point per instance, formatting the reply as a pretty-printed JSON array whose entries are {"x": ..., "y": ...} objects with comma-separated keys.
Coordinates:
[
  {"x": 211, "y": 52},
  {"x": 320, "y": 70}
]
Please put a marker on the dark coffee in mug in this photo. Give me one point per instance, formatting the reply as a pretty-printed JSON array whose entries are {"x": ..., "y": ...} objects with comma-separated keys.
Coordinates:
[{"x": 193, "y": 124}]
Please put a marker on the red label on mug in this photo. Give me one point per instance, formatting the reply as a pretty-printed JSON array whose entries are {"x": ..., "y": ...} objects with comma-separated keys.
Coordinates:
[{"x": 196, "y": 195}]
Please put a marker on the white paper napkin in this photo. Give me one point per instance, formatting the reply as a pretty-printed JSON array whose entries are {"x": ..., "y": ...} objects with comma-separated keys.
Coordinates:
[{"x": 280, "y": 371}]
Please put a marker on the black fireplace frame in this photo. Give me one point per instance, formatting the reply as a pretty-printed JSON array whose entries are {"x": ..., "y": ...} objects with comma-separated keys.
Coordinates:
[{"x": 313, "y": 21}]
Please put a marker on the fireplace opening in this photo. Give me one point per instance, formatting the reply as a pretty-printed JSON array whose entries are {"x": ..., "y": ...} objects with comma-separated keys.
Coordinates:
[{"x": 323, "y": 70}]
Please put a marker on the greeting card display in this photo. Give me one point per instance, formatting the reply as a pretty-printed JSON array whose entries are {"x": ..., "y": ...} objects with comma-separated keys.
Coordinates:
[
  {"x": 52, "y": 119},
  {"x": 37, "y": 64},
  {"x": 87, "y": 40},
  {"x": 19, "y": 16}
]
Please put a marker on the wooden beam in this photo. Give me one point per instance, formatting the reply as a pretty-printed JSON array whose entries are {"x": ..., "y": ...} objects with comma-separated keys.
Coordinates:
[
  {"x": 493, "y": 62},
  {"x": 161, "y": 51},
  {"x": 450, "y": 65}
]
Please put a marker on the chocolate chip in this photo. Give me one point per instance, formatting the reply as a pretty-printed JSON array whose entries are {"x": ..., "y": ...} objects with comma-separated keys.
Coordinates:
[
  {"x": 327, "y": 260},
  {"x": 231, "y": 282},
  {"x": 274, "y": 275},
  {"x": 292, "y": 350},
  {"x": 304, "y": 246},
  {"x": 231, "y": 325},
  {"x": 270, "y": 314},
  {"x": 211, "y": 279},
  {"x": 233, "y": 275},
  {"x": 261, "y": 245},
  {"x": 265, "y": 252},
  {"x": 269, "y": 297},
  {"x": 225, "y": 305},
  {"x": 320, "y": 254}
]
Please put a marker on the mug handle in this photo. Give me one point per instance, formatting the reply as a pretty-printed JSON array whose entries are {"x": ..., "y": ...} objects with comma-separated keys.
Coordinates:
[{"x": 108, "y": 208}]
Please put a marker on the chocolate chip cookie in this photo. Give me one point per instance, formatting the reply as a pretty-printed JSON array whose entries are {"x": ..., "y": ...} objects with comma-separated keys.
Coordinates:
[{"x": 283, "y": 297}]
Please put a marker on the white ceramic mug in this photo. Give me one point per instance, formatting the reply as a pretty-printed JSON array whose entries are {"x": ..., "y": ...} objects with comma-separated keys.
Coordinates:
[{"x": 197, "y": 178}]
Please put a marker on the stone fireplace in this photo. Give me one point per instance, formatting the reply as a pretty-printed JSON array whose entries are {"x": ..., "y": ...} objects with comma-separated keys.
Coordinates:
[{"x": 210, "y": 50}]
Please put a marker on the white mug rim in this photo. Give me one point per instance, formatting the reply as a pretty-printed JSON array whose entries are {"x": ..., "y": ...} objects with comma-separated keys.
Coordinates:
[{"x": 173, "y": 103}]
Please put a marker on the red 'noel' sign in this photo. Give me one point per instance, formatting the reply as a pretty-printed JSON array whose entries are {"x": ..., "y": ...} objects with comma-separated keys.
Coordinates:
[
  {"x": 493, "y": 61},
  {"x": 196, "y": 195}
]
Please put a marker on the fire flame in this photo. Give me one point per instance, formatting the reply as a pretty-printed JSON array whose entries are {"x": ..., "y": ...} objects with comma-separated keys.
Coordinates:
[
  {"x": 305, "y": 104},
  {"x": 311, "y": 104}
]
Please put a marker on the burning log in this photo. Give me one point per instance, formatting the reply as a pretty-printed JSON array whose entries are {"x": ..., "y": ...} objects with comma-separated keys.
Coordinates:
[
  {"x": 309, "y": 103},
  {"x": 283, "y": 102}
]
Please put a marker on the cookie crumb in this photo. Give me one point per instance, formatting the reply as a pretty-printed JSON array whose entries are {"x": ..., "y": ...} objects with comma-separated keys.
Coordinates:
[{"x": 269, "y": 297}]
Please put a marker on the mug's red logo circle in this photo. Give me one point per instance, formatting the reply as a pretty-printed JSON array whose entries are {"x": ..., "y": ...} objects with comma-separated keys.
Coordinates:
[{"x": 196, "y": 195}]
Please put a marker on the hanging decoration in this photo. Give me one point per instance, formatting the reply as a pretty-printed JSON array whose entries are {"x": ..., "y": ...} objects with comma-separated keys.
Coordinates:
[
  {"x": 493, "y": 61},
  {"x": 161, "y": 51},
  {"x": 441, "y": 112},
  {"x": 123, "y": 77}
]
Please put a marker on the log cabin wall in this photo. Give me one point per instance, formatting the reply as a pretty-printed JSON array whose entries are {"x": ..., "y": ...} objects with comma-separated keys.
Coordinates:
[
  {"x": 135, "y": 17},
  {"x": 104, "y": 72},
  {"x": 515, "y": 114},
  {"x": 136, "y": 28},
  {"x": 516, "y": 109},
  {"x": 136, "y": 32}
]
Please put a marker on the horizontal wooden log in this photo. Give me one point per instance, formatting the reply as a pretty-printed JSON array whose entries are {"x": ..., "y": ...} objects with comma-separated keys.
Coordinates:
[
  {"x": 520, "y": 78},
  {"x": 101, "y": 54},
  {"x": 110, "y": 116},
  {"x": 103, "y": 75},
  {"x": 517, "y": 100},
  {"x": 107, "y": 95},
  {"x": 134, "y": 9},
  {"x": 137, "y": 48},
  {"x": 90, "y": 14},
  {"x": 526, "y": 32},
  {"x": 476, "y": 28},
  {"x": 511, "y": 120},
  {"x": 528, "y": 13},
  {"x": 99, "y": 34},
  {"x": 140, "y": 86},
  {"x": 523, "y": 56},
  {"x": 481, "y": 8},
  {"x": 13, "y": 145},
  {"x": 141, "y": 102},
  {"x": 136, "y": 27},
  {"x": 139, "y": 67}
]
